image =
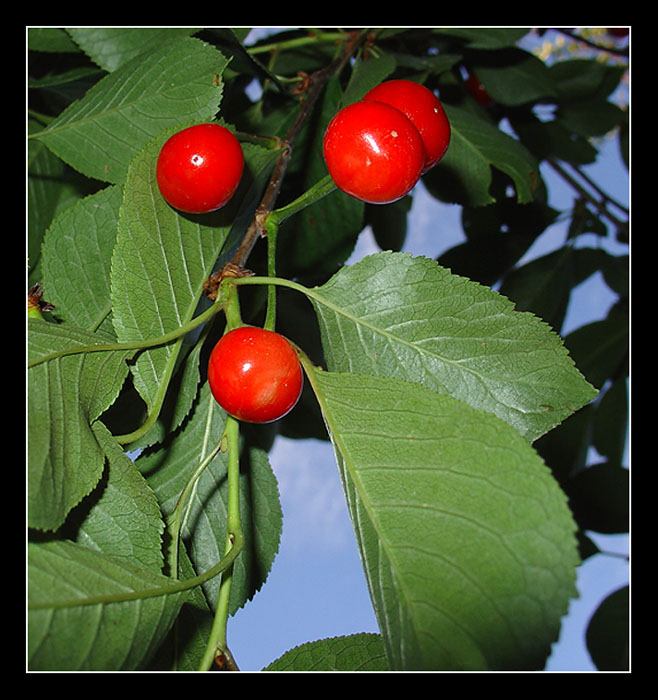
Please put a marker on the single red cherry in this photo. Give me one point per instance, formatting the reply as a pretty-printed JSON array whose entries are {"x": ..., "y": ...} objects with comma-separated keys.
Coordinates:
[
  {"x": 478, "y": 91},
  {"x": 199, "y": 168},
  {"x": 255, "y": 375},
  {"x": 423, "y": 108},
  {"x": 373, "y": 152}
]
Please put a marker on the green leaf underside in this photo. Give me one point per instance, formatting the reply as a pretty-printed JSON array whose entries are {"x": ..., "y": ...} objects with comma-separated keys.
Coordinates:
[
  {"x": 160, "y": 262},
  {"x": 466, "y": 539},
  {"x": 392, "y": 314},
  {"x": 65, "y": 397},
  {"x": 123, "y": 519},
  {"x": 63, "y": 635},
  {"x": 167, "y": 470}
]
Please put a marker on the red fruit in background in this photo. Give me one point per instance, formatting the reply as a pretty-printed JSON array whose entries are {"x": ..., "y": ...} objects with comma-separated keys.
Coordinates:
[
  {"x": 373, "y": 152},
  {"x": 476, "y": 89},
  {"x": 255, "y": 375},
  {"x": 199, "y": 168},
  {"x": 423, "y": 108},
  {"x": 618, "y": 32}
]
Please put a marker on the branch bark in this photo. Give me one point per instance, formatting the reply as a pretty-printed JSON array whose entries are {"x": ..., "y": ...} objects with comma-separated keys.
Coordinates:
[{"x": 257, "y": 228}]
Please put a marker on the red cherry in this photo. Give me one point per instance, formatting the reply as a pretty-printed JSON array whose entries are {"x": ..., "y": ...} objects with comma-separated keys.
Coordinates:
[
  {"x": 199, "y": 168},
  {"x": 476, "y": 89},
  {"x": 423, "y": 108},
  {"x": 373, "y": 152},
  {"x": 255, "y": 375}
]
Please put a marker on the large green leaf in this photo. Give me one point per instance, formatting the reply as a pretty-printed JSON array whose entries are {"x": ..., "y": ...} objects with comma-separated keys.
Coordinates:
[
  {"x": 101, "y": 133},
  {"x": 396, "y": 315},
  {"x": 73, "y": 625},
  {"x": 65, "y": 396},
  {"x": 466, "y": 539}
]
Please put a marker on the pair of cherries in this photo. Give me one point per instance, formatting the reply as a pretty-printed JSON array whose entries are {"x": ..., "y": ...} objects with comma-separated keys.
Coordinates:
[
  {"x": 376, "y": 149},
  {"x": 254, "y": 374}
]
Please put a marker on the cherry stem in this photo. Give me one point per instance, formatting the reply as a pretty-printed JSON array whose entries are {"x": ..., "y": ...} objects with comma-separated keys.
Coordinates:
[
  {"x": 232, "y": 309},
  {"x": 144, "y": 344},
  {"x": 321, "y": 189},
  {"x": 217, "y": 644},
  {"x": 171, "y": 587},
  {"x": 180, "y": 513}
]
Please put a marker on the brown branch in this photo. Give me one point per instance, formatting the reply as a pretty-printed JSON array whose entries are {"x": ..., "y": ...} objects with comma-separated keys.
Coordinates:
[
  {"x": 315, "y": 84},
  {"x": 599, "y": 204}
]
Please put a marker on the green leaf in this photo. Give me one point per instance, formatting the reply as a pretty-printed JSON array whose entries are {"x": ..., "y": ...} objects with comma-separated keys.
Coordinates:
[
  {"x": 160, "y": 262},
  {"x": 111, "y": 47},
  {"x": 168, "y": 469},
  {"x": 610, "y": 429},
  {"x": 485, "y": 38},
  {"x": 77, "y": 250},
  {"x": 396, "y": 315},
  {"x": 322, "y": 235},
  {"x": 544, "y": 285},
  {"x": 50, "y": 39},
  {"x": 599, "y": 498},
  {"x": 466, "y": 539},
  {"x": 365, "y": 75},
  {"x": 515, "y": 77},
  {"x": 590, "y": 118},
  {"x": 580, "y": 79},
  {"x": 44, "y": 190},
  {"x": 608, "y": 632},
  {"x": 65, "y": 396},
  {"x": 601, "y": 348},
  {"x": 122, "y": 517},
  {"x": 551, "y": 139},
  {"x": 497, "y": 236},
  {"x": 186, "y": 643},
  {"x": 463, "y": 176},
  {"x": 101, "y": 133},
  {"x": 72, "y": 623},
  {"x": 389, "y": 222},
  {"x": 357, "y": 652}
]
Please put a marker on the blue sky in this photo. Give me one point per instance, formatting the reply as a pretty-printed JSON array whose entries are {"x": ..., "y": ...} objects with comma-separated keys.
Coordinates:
[{"x": 317, "y": 588}]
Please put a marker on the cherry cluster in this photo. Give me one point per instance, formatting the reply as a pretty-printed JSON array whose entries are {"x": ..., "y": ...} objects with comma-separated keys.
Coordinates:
[{"x": 376, "y": 149}]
